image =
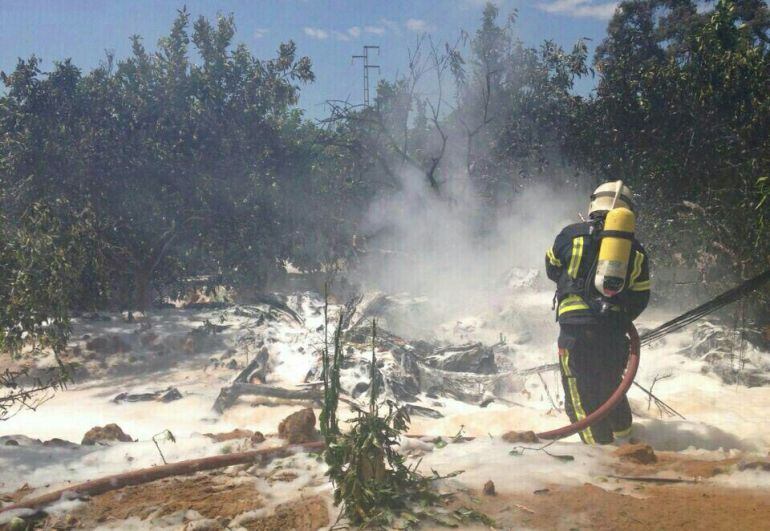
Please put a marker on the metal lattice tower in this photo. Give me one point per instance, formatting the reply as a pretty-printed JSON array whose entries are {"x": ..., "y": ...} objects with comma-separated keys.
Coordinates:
[{"x": 367, "y": 66}]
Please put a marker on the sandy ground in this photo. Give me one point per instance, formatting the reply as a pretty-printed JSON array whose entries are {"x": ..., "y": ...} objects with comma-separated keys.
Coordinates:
[
  {"x": 672, "y": 493},
  {"x": 675, "y": 492},
  {"x": 649, "y": 507}
]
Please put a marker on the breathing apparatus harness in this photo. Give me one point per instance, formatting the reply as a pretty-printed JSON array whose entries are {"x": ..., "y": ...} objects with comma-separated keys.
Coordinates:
[
  {"x": 584, "y": 286},
  {"x": 602, "y": 288},
  {"x": 598, "y": 303}
]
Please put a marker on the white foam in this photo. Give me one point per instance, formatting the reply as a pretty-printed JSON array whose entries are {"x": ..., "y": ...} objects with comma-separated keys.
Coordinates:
[
  {"x": 486, "y": 459},
  {"x": 719, "y": 416}
]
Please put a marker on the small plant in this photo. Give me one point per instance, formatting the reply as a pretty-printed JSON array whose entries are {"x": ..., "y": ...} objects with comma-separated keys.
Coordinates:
[{"x": 372, "y": 481}]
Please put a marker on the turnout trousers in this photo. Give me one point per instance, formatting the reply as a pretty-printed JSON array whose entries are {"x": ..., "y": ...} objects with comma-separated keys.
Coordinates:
[{"x": 592, "y": 359}]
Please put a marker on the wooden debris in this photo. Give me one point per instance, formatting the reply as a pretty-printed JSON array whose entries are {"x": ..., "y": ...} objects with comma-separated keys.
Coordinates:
[{"x": 146, "y": 475}]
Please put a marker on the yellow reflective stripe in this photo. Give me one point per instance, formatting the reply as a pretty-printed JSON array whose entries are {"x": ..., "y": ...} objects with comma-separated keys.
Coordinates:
[
  {"x": 622, "y": 433},
  {"x": 552, "y": 258},
  {"x": 572, "y": 308},
  {"x": 641, "y": 286},
  {"x": 564, "y": 359},
  {"x": 572, "y": 303},
  {"x": 580, "y": 413},
  {"x": 577, "y": 255},
  {"x": 638, "y": 259}
]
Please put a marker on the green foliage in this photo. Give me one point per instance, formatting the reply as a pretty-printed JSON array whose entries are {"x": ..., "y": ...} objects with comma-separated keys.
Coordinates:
[
  {"x": 763, "y": 189},
  {"x": 47, "y": 259},
  {"x": 206, "y": 168},
  {"x": 187, "y": 166},
  {"x": 119, "y": 183},
  {"x": 331, "y": 380},
  {"x": 44, "y": 257},
  {"x": 372, "y": 481},
  {"x": 682, "y": 113},
  {"x": 516, "y": 99},
  {"x": 503, "y": 124}
]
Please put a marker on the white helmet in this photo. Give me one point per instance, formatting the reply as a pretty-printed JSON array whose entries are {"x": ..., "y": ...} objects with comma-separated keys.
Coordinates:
[{"x": 610, "y": 195}]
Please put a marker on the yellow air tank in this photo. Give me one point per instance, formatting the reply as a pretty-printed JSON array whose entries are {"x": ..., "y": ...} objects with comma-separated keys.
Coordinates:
[{"x": 614, "y": 251}]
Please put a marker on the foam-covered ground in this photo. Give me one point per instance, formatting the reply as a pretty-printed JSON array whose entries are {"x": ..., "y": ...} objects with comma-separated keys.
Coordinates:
[{"x": 720, "y": 419}]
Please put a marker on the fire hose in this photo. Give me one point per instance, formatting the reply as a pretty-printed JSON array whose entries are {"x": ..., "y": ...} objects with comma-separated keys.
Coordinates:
[{"x": 606, "y": 408}]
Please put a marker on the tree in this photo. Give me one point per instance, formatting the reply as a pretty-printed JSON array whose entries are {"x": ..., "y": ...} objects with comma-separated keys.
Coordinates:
[
  {"x": 183, "y": 164},
  {"x": 505, "y": 121},
  {"x": 682, "y": 112},
  {"x": 46, "y": 261},
  {"x": 518, "y": 100}
]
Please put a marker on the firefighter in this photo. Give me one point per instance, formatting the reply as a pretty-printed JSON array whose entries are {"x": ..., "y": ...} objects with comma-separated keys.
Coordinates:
[{"x": 593, "y": 348}]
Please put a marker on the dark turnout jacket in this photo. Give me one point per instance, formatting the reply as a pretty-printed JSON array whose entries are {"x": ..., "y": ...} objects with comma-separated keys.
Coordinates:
[{"x": 571, "y": 263}]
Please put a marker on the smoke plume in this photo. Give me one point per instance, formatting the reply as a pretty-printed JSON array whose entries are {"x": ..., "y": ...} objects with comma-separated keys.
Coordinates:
[{"x": 450, "y": 249}]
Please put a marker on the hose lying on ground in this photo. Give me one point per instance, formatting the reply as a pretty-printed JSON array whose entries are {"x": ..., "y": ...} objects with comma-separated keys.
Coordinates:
[
  {"x": 146, "y": 475},
  {"x": 605, "y": 409},
  {"x": 728, "y": 297}
]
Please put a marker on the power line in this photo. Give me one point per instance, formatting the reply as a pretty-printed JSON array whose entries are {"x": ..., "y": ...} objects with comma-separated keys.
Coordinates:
[{"x": 367, "y": 66}]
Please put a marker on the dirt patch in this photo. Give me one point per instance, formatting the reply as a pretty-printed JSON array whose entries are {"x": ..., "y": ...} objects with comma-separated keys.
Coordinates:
[
  {"x": 671, "y": 464},
  {"x": 521, "y": 437},
  {"x": 105, "y": 435},
  {"x": 209, "y": 495},
  {"x": 221, "y": 500},
  {"x": 650, "y": 507},
  {"x": 303, "y": 515},
  {"x": 641, "y": 454},
  {"x": 232, "y": 435},
  {"x": 298, "y": 427}
]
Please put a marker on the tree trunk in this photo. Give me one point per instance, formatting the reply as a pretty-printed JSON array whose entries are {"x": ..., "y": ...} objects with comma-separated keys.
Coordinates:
[
  {"x": 146, "y": 267},
  {"x": 142, "y": 279}
]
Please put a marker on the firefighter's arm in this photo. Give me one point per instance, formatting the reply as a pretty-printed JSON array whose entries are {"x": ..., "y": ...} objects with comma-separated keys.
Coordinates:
[
  {"x": 554, "y": 259},
  {"x": 638, "y": 292}
]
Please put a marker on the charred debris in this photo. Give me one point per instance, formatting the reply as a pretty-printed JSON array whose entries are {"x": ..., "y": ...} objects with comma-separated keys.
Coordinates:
[{"x": 417, "y": 373}]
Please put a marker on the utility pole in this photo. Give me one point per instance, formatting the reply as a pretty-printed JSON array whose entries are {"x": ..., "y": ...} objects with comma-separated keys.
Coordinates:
[{"x": 367, "y": 66}]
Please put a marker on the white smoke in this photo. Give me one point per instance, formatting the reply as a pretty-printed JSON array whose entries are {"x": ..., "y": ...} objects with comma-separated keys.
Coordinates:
[{"x": 450, "y": 249}]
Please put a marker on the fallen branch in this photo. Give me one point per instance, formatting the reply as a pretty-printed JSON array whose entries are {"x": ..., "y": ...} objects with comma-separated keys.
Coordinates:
[
  {"x": 228, "y": 395},
  {"x": 653, "y": 479},
  {"x": 548, "y": 392},
  {"x": 275, "y": 396},
  {"x": 655, "y": 380},
  {"x": 275, "y": 303},
  {"x": 555, "y": 367},
  {"x": 268, "y": 401},
  {"x": 146, "y": 475},
  {"x": 464, "y": 386},
  {"x": 660, "y": 403}
]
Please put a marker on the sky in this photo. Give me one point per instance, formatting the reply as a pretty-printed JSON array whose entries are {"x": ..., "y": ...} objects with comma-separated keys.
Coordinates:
[{"x": 329, "y": 31}]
